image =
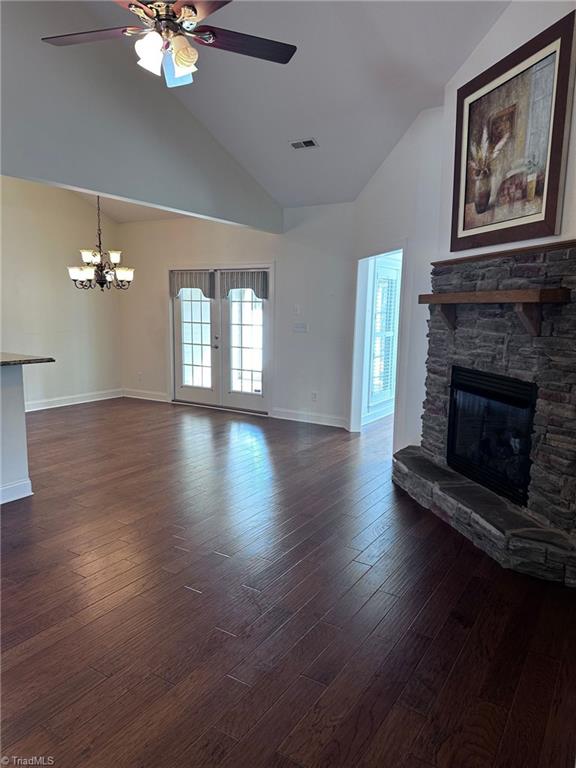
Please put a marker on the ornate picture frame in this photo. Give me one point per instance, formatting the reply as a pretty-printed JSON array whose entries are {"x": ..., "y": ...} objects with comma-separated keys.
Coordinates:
[{"x": 512, "y": 133}]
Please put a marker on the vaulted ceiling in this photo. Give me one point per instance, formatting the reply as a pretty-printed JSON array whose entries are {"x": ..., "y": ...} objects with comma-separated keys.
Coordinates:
[{"x": 361, "y": 74}]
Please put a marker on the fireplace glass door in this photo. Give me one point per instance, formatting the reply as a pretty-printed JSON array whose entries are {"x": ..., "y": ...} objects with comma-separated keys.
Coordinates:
[{"x": 490, "y": 428}]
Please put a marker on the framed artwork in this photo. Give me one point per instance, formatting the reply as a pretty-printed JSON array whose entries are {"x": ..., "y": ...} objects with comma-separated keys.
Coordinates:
[{"x": 512, "y": 132}]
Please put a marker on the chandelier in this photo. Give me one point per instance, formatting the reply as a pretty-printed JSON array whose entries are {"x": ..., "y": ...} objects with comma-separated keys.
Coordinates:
[{"x": 101, "y": 268}]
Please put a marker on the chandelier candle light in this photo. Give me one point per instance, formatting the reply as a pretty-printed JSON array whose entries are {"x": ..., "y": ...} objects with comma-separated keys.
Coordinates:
[{"x": 101, "y": 268}]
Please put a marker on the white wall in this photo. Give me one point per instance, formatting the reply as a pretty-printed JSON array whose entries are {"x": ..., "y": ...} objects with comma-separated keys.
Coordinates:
[
  {"x": 43, "y": 314},
  {"x": 121, "y": 134},
  {"x": 317, "y": 272},
  {"x": 399, "y": 208},
  {"x": 14, "y": 479}
]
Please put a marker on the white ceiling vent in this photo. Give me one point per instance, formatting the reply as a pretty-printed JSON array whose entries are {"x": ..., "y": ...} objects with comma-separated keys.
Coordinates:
[{"x": 304, "y": 144}]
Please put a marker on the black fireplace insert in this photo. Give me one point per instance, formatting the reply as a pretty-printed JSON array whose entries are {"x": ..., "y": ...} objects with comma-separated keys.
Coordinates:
[{"x": 490, "y": 429}]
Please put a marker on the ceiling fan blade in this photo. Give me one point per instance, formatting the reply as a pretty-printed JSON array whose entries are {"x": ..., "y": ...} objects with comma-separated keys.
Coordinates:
[
  {"x": 248, "y": 45},
  {"x": 203, "y": 7},
  {"x": 94, "y": 35},
  {"x": 143, "y": 7}
]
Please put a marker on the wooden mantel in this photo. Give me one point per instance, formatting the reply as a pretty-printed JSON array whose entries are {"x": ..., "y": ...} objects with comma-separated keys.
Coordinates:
[{"x": 527, "y": 303}]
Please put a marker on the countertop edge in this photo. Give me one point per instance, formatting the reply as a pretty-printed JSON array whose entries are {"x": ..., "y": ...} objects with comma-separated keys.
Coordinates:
[{"x": 23, "y": 359}]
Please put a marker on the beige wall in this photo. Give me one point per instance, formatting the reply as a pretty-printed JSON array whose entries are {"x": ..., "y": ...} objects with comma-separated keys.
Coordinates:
[
  {"x": 42, "y": 312},
  {"x": 155, "y": 247}
]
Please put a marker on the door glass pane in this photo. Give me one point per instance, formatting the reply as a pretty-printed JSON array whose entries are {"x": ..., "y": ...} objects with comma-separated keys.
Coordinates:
[
  {"x": 196, "y": 338},
  {"x": 246, "y": 319}
]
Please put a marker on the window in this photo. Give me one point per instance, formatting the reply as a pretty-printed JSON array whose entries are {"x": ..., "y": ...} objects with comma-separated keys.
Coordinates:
[
  {"x": 196, "y": 338},
  {"x": 246, "y": 325},
  {"x": 383, "y": 335}
]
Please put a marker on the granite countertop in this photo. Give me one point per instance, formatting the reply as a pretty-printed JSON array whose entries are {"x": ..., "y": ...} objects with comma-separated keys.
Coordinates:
[{"x": 12, "y": 358}]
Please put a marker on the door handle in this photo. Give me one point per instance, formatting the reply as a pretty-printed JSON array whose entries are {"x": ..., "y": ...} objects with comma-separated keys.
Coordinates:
[{"x": 215, "y": 346}]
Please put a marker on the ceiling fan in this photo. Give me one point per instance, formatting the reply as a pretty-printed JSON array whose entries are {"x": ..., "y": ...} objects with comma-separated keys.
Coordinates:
[{"x": 163, "y": 44}]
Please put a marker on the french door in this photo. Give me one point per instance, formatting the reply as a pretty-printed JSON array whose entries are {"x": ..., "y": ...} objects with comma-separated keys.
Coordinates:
[{"x": 222, "y": 340}]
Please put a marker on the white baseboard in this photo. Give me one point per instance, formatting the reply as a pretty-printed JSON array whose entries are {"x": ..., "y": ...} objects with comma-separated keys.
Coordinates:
[
  {"x": 14, "y": 491},
  {"x": 86, "y": 397},
  {"x": 143, "y": 394},
  {"x": 308, "y": 417}
]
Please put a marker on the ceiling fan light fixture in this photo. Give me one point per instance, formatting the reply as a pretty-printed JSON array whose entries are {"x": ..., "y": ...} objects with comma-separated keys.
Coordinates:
[
  {"x": 181, "y": 71},
  {"x": 185, "y": 55},
  {"x": 151, "y": 65},
  {"x": 149, "y": 51},
  {"x": 173, "y": 79}
]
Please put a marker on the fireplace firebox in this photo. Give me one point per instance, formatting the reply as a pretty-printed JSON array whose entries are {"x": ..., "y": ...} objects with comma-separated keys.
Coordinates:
[{"x": 490, "y": 430}]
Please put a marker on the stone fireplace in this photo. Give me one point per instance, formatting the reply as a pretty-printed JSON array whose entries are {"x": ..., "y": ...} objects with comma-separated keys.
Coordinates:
[{"x": 498, "y": 454}]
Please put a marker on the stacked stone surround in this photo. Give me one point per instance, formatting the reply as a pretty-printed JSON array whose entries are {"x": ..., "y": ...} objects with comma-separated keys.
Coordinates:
[{"x": 491, "y": 337}]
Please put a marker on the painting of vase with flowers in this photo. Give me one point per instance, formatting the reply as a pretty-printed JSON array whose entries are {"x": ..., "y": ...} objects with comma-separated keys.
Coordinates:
[{"x": 510, "y": 156}]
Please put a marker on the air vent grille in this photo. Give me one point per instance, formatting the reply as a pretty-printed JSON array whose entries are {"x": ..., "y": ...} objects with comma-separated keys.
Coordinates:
[{"x": 304, "y": 144}]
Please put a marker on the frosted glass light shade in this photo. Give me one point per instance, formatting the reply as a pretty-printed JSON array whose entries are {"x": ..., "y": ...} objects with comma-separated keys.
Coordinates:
[
  {"x": 124, "y": 274},
  {"x": 115, "y": 256},
  {"x": 170, "y": 75},
  {"x": 184, "y": 56},
  {"x": 86, "y": 256},
  {"x": 149, "y": 50},
  {"x": 76, "y": 273},
  {"x": 183, "y": 71},
  {"x": 81, "y": 273}
]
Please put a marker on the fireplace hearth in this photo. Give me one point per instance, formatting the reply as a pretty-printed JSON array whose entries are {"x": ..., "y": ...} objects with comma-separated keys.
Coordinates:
[
  {"x": 498, "y": 455},
  {"x": 490, "y": 430}
]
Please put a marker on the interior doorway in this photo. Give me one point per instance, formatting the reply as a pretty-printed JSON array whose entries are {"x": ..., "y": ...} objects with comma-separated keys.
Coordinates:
[
  {"x": 221, "y": 321},
  {"x": 376, "y": 338}
]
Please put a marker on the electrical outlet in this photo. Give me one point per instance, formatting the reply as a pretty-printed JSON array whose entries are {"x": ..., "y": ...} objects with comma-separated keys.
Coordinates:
[{"x": 314, "y": 397}]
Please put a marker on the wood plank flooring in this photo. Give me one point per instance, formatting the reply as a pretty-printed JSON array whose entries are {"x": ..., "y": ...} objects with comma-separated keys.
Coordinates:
[{"x": 189, "y": 587}]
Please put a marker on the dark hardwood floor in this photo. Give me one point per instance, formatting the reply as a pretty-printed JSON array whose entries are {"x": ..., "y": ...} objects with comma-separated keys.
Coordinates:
[{"x": 194, "y": 588}]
